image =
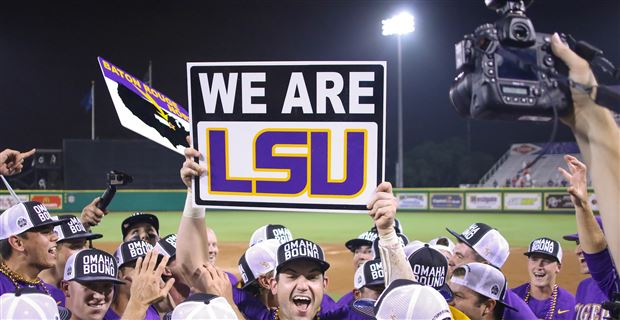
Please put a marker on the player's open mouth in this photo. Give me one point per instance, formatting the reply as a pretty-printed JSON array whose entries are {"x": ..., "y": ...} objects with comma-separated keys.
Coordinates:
[
  {"x": 52, "y": 251},
  {"x": 302, "y": 302},
  {"x": 539, "y": 275},
  {"x": 98, "y": 305}
]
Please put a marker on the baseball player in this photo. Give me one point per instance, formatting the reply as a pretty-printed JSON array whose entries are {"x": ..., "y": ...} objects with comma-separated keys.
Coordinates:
[
  {"x": 480, "y": 291},
  {"x": 546, "y": 299},
  {"x": 591, "y": 250},
  {"x": 88, "y": 283},
  {"x": 27, "y": 247},
  {"x": 72, "y": 237}
]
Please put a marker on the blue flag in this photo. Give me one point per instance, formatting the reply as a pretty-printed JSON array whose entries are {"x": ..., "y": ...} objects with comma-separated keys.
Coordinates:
[{"x": 87, "y": 101}]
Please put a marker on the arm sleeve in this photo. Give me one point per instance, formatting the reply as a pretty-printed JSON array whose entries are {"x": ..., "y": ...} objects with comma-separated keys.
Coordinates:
[{"x": 603, "y": 272}]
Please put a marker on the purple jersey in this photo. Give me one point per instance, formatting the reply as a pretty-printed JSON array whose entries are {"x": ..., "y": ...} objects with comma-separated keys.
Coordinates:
[
  {"x": 233, "y": 279},
  {"x": 523, "y": 310},
  {"x": 346, "y": 300},
  {"x": 151, "y": 314},
  {"x": 564, "y": 309},
  {"x": 603, "y": 272},
  {"x": 6, "y": 285},
  {"x": 592, "y": 293}
]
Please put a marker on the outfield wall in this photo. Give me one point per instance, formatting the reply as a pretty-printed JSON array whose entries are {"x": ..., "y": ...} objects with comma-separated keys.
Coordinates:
[{"x": 512, "y": 200}]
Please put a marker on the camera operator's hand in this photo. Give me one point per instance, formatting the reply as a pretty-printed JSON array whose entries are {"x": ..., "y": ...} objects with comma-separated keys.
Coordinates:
[
  {"x": 580, "y": 72},
  {"x": 91, "y": 215},
  {"x": 12, "y": 161}
]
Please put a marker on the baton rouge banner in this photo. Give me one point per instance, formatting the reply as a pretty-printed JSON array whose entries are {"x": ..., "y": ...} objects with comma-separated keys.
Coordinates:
[
  {"x": 288, "y": 135},
  {"x": 144, "y": 110}
]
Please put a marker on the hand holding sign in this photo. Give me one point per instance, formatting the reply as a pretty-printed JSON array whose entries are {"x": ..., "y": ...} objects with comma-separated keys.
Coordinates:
[{"x": 383, "y": 207}]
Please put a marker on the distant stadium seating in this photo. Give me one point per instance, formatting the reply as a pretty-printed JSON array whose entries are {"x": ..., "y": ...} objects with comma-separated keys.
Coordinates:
[{"x": 544, "y": 173}]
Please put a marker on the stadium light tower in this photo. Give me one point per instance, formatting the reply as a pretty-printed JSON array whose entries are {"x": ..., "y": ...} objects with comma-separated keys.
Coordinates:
[{"x": 399, "y": 25}]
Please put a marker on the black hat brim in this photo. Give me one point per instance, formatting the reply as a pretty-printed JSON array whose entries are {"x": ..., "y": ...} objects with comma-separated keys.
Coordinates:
[
  {"x": 323, "y": 264},
  {"x": 133, "y": 220},
  {"x": 85, "y": 236},
  {"x": 356, "y": 243},
  {"x": 98, "y": 278}
]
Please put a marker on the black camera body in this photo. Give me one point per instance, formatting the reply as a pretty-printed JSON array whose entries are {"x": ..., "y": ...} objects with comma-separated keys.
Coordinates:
[
  {"x": 115, "y": 178},
  {"x": 507, "y": 71}
]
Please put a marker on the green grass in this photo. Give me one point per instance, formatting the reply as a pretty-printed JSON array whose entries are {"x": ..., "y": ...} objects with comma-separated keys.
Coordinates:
[{"x": 237, "y": 226}]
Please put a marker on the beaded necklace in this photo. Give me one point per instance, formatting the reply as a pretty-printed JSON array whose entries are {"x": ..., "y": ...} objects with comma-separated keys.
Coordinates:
[
  {"x": 554, "y": 300},
  {"x": 276, "y": 316},
  {"x": 15, "y": 277}
]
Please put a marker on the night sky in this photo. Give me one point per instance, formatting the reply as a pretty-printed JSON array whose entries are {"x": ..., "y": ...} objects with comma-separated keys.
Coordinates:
[{"x": 48, "y": 56}]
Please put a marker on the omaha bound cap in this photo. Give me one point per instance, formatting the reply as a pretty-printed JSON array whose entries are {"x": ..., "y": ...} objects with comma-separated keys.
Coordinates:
[
  {"x": 370, "y": 273},
  {"x": 202, "y": 306},
  {"x": 485, "y": 241},
  {"x": 405, "y": 299},
  {"x": 547, "y": 247},
  {"x": 131, "y": 250},
  {"x": 30, "y": 304},
  {"x": 484, "y": 279},
  {"x": 271, "y": 231},
  {"x": 430, "y": 268},
  {"x": 575, "y": 237},
  {"x": 139, "y": 217},
  {"x": 300, "y": 249},
  {"x": 364, "y": 239},
  {"x": 258, "y": 260},
  {"x": 23, "y": 217},
  {"x": 91, "y": 265},
  {"x": 73, "y": 229},
  {"x": 167, "y": 246}
]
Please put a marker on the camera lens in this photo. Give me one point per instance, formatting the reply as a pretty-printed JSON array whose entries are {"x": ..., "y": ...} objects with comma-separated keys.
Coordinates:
[{"x": 520, "y": 32}]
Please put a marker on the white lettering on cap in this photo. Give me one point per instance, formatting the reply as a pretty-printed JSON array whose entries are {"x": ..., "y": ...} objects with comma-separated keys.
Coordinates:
[
  {"x": 138, "y": 248},
  {"x": 75, "y": 225},
  {"x": 471, "y": 231},
  {"x": 543, "y": 245},
  {"x": 301, "y": 248},
  {"x": 376, "y": 271},
  {"x": 430, "y": 276},
  {"x": 282, "y": 235},
  {"x": 172, "y": 240},
  {"x": 42, "y": 212},
  {"x": 98, "y": 264}
]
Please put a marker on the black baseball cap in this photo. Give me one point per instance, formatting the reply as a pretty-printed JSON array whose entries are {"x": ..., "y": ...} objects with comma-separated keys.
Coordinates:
[
  {"x": 430, "y": 267},
  {"x": 25, "y": 216},
  {"x": 364, "y": 239},
  {"x": 91, "y": 265},
  {"x": 300, "y": 249},
  {"x": 136, "y": 218},
  {"x": 547, "y": 247},
  {"x": 167, "y": 246},
  {"x": 72, "y": 228},
  {"x": 131, "y": 250}
]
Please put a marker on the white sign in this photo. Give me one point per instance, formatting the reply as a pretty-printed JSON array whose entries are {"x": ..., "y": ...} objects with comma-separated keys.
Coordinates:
[
  {"x": 413, "y": 201},
  {"x": 288, "y": 135},
  {"x": 523, "y": 201},
  {"x": 483, "y": 201}
]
